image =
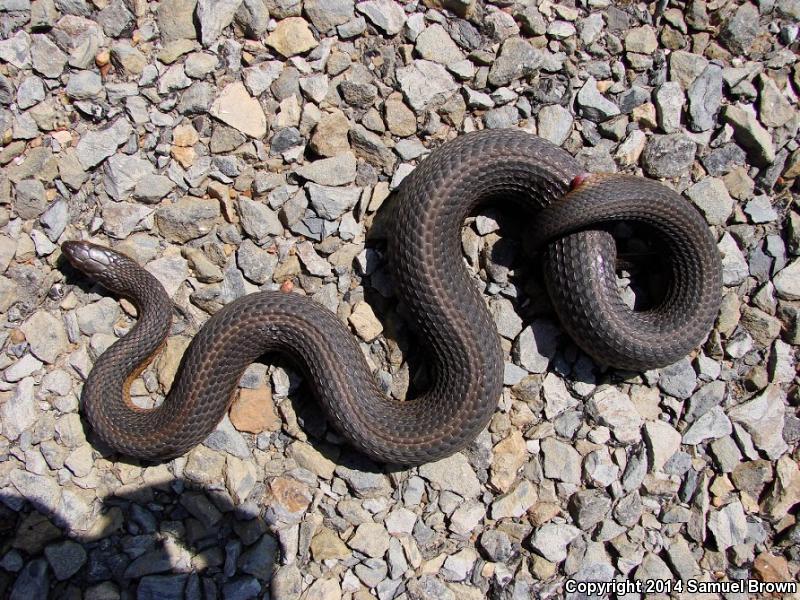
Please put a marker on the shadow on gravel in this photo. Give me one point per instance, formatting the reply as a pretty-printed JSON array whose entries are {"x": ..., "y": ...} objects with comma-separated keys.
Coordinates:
[{"x": 171, "y": 539}]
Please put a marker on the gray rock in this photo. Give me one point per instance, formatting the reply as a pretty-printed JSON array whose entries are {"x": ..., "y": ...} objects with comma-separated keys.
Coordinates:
[
  {"x": 327, "y": 14},
  {"x": 46, "y": 336},
  {"x": 253, "y": 18},
  {"x": 363, "y": 483},
  {"x": 554, "y": 123},
  {"x": 187, "y": 219},
  {"x": 84, "y": 85},
  {"x": 653, "y": 568},
  {"x": 560, "y": 461},
  {"x": 741, "y": 29},
  {"x": 425, "y": 84},
  {"x": 29, "y": 198},
  {"x": 760, "y": 210},
  {"x": 123, "y": 173},
  {"x": 726, "y": 454},
  {"x": 225, "y": 438},
  {"x": 259, "y": 560},
  {"x": 242, "y": 588},
  {"x": 705, "y": 98},
  {"x": 551, "y": 540},
  {"x": 151, "y": 188},
  {"x": 361, "y": 95},
  {"x": 593, "y": 105},
  {"x": 428, "y": 587},
  {"x": 711, "y": 196},
  {"x": 734, "y": 265},
  {"x": 161, "y": 587},
  {"x": 65, "y": 558},
  {"x": 728, "y": 525},
  {"x": 19, "y": 412},
  {"x": 669, "y": 100},
  {"x": 48, "y": 59},
  {"x": 433, "y": 43},
  {"x": 712, "y": 425},
  {"x": 497, "y": 545},
  {"x": 453, "y": 474},
  {"x": 501, "y": 118},
  {"x": 197, "y": 98},
  {"x": 176, "y": 20},
  {"x": 668, "y": 155},
  {"x": 116, "y": 19},
  {"x": 386, "y": 15},
  {"x": 96, "y": 146},
  {"x": 678, "y": 380},
  {"x": 517, "y": 59},
  {"x": 685, "y": 66},
  {"x": 30, "y": 92},
  {"x": 330, "y": 202},
  {"x": 763, "y": 418},
  {"x": 258, "y": 220},
  {"x": 589, "y": 507},
  {"x": 120, "y": 219},
  {"x": 17, "y": 50},
  {"x": 371, "y": 148},
  {"x": 750, "y": 134},
  {"x": 54, "y": 220},
  {"x": 536, "y": 345},
  {"x": 33, "y": 581},
  {"x": 214, "y": 16},
  {"x": 614, "y": 409},
  {"x": 257, "y": 264}
]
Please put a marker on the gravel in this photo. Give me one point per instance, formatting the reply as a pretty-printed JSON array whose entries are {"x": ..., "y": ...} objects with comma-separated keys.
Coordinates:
[{"x": 256, "y": 144}]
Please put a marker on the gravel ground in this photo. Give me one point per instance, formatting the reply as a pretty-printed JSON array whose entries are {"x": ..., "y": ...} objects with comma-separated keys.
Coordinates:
[{"x": 238, "y": 145}]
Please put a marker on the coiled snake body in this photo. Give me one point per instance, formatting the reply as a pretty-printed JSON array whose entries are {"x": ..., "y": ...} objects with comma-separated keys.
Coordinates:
[{"x": 451, "y": 317}]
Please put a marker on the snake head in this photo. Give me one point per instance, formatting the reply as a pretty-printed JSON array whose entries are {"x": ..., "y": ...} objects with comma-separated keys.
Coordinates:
[{"x": 98, "y": 262}]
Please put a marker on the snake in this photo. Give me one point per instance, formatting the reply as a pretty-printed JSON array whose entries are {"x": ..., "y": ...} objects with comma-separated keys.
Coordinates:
[{"x": 572, "y": 217}]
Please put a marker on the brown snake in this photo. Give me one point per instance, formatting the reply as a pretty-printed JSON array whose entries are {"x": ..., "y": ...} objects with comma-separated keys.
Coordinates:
[{"x": 451, "y": 318}]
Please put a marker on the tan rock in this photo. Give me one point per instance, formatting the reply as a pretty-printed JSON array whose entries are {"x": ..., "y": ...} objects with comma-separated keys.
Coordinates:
[
  {"x": 292, "y": 36},
  {"x": 310, "y": 458},
  {"x": 185, "y": 135},
  {"x": 400, "y": 119},
  {"x": 330, "y": 135},
  {"x": 184, "y": 155},
  {"x": 286, "y": 501},
  {"x": 771, "y": 568},
  {"x": 253, "y": 411},
  {"x": 169, "y": 360},
  {"x": 235, "y": 107},
  {"x": 509, "y": 456},
  {"x": 365, "y": 322},
  {"x": 326, "y": 545}
]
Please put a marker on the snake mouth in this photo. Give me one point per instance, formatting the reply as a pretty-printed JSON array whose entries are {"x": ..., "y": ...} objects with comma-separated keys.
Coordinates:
[{"x": 87, "y": 257}]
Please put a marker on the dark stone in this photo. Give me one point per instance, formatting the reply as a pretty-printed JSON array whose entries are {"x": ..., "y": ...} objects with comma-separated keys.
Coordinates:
[
  {"x": 286, "y": 138},
  {"x": 724, "y": 159}
]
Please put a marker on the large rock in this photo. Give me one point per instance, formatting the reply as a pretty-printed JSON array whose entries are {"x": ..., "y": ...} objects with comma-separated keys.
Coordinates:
[
  {"x": 453, "y": 474},
  {"x": 668, "y": 155},
  {"x": 386, "y": 15},
  {"x": 292, "y": 36},
  {"x": 235, "y": 107},
  {"x": 187, "y": 219},
  {"x": 175, "y": 20},
  {"x": 763, "y": 418},
  {"x": 214, "y": 16},
  {"x": 425, "y": 84}
]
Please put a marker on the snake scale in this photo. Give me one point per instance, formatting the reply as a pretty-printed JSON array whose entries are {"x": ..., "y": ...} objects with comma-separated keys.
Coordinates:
[{"x": 569, "y": 209}]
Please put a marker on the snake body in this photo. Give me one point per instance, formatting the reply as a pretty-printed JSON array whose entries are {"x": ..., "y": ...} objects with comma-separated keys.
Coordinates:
[{"x": 450, "y": 316}]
